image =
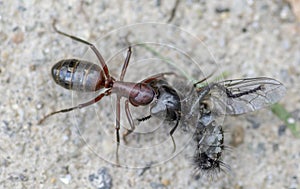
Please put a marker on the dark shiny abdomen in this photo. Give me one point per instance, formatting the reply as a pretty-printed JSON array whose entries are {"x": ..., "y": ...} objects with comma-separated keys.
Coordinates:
[{"x": 78, "y": 75}]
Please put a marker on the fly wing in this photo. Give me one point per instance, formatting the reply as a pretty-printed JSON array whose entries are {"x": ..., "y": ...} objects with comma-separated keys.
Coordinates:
[{"x": 245, "y": 95}]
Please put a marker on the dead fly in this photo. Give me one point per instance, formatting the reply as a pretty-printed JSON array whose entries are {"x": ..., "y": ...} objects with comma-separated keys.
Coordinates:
[
  {"x": 230, "y": 97},
  {"x": 81, "y": 75}
]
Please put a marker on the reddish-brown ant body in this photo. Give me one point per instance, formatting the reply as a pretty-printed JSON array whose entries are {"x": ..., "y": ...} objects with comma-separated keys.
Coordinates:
[{"x": 80, "y": 75}]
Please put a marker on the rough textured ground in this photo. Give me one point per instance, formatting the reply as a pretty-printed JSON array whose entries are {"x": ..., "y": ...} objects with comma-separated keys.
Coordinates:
[{"x": 247, "y": 38}]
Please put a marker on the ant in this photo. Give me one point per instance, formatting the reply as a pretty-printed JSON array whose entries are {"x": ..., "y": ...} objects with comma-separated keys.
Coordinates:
[{"x": 81, "y": 75}]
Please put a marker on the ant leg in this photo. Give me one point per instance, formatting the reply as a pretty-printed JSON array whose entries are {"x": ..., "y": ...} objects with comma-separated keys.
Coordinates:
[
  {"x": 173, "y": 130},
  {"x": 130, "y": 120},
  {"x": 118, "y": 108},
  {"x": 144, "y": 118},
  {"x": 204, "y": 79},
  {"x": 174, "y": 144},
  {"x": 125, "y": 65},
  {"x": 178, "y": 117},
  {"x": 96, "y": 99},
  {"x": 118, "y": 126},
  {"x": 97, "y": 53},
  {"x": 157, "y": 76},
  {"x": 118, "y": 112}
]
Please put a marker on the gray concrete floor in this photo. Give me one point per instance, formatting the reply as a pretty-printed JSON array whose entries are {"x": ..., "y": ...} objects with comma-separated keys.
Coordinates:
[{"x": 247, "y": 39}]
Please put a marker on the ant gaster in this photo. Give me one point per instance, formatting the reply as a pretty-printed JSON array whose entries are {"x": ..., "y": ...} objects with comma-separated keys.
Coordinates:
[{"x": 80, "y": 75}]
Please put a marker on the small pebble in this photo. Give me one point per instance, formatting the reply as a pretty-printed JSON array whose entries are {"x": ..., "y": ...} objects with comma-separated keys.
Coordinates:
[
  {"x": 18, "y": 37},
  {"x": 102, "y": 179},
  {"x": 156, "y": 185},
  {"x": 281, "y": 130},
  {"x": 296, "y": 114},
  {"x": 158, "y": 3},
  {"x": 275, "y": 147},
  {"x": 285, "y": 12},
  {"x": 286, "y": 45},
  {"x": 3, "y": 37},
  {"x": 66, "y": 179},
  {"x": 222, "y": 9},
  {"x": 294, "y": 183},
  {"x": 291, "y": 120},
  {"x": 39, "y": 105},
  {"x": 17, "y": 177},
  {"x": 32, "y": 67},
  {"x": 250, "y": 2},
  {"x": 254, "y": 121},
  {"x": 237, "y": 136},
  {"x": 53, "y": 180},
  {"x": 165, "y": 182},
  {"x": 261, "y": 149}
]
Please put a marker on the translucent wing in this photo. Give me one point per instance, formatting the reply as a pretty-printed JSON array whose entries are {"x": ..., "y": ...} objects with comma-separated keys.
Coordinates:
[{"x": 244, "y": 95}]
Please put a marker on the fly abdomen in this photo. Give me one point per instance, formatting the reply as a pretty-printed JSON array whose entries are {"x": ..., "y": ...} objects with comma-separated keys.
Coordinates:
[{"x": 78, "y": 75}]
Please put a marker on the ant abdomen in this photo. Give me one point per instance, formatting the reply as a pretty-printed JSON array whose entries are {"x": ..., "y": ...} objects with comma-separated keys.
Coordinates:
[{"x": 78, "y": 75}]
